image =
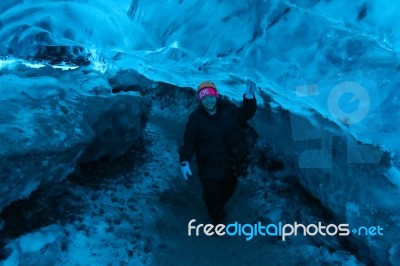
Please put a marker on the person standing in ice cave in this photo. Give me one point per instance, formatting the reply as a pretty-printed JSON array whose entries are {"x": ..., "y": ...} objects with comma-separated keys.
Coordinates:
[{"x": 215, "y": 132}]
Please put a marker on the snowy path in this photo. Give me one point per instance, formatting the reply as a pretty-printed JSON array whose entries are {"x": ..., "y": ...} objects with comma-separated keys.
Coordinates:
[
  {"x": 135, "y": 211},
  {"x": 179, "y": 201}
]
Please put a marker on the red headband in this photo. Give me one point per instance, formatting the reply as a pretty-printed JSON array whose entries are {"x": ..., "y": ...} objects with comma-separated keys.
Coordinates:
[{"x": 207, "y": 91}]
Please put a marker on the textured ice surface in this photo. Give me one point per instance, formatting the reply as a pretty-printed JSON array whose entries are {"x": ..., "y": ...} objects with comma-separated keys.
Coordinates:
[
  {"x": 49, "y": 125},
  {"x": 282, "y": 45}
]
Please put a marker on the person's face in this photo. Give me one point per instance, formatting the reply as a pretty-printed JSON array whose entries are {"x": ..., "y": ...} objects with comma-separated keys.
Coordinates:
[{"x": 209, "y": 102}]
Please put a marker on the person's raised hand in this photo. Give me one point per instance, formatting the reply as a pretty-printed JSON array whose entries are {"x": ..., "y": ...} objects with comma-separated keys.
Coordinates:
[{"x": 250, "y": 89}]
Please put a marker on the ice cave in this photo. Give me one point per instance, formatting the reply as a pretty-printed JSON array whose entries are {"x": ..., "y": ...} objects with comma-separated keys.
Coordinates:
[{"x": 95, "y": 95}]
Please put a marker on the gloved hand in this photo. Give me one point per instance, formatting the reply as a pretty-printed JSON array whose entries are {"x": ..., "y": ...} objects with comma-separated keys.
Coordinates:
[
  {"x": 185, "y": 169},
  {"x": 250, "y": 89}
]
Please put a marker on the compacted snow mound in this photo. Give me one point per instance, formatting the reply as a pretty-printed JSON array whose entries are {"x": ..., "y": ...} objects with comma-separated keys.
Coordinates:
[{"x": 49, "y": 125}]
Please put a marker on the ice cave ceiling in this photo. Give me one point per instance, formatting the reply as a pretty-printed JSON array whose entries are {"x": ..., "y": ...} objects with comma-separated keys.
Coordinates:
[{"x": 285, "y": 46}]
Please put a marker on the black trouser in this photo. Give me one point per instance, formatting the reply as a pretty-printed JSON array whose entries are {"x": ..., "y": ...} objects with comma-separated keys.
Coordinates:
[{"x": 216, "y": 193}]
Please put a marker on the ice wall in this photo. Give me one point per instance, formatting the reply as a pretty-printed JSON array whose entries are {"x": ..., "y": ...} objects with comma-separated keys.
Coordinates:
[
  {"x": 349, "y": 178},
  {"x": 51, "y": 121}
]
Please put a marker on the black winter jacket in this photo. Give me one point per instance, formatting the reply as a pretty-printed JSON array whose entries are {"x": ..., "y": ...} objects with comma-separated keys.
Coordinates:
[{"x": 214, "y": 137}]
